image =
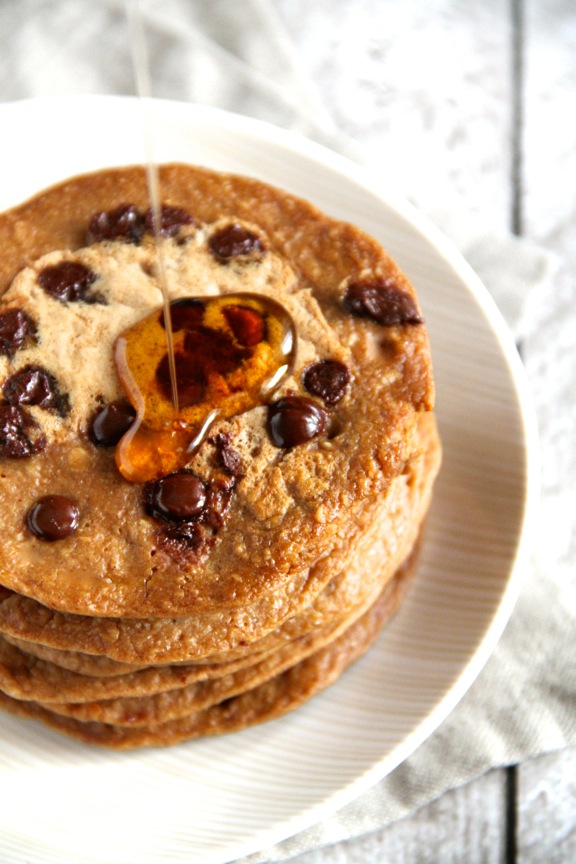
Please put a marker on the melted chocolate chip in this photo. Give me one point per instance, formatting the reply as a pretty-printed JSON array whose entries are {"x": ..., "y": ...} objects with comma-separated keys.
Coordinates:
[
  {"x": 171, "y": 220},
  {"x": 185, "y": 314},
  {"x": 179, "y": 497},
  {"x": 69, "y": 282},
  {"x": 230, "y": 460},
  {"x": 195, "y": 516},
  {"x": 190, "y": 378},
  {"x": 53, "y": 517},
  {"x": 217, "y": 503},
  {"x": 234, "y": 240},
  {"x": 16, "y": 424},
  {"x": 124, "y": 222},
  {"x": 190, "y": 535},
  {"x": 16, "y": 326},
  {"x": 226, "y": 456},
  {"x": 110, "y": 423},
  {"x": 247, "y": 325},
  {"x": 328, "y": 380},
  {"x": 294, "y": 420},
  {"x": 203, "y": 353},
  {"x": 34, "y": 385},
  {"x": 382, "y": 301}
]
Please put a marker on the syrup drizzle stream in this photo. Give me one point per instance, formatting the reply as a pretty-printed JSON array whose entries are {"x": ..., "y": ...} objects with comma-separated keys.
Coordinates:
[{"x": 142, "y": 78}]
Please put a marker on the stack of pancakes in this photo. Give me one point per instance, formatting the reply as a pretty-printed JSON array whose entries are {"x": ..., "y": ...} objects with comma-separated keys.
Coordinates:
[{"x": 130, "y": 616}]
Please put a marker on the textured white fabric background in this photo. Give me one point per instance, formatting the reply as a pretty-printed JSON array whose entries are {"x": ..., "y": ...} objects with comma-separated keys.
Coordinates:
[{"x": 317, "y": 68}]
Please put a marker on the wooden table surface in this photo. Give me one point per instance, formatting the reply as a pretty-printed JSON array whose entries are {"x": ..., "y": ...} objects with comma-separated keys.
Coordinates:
[{"x": 474, "y": 103}]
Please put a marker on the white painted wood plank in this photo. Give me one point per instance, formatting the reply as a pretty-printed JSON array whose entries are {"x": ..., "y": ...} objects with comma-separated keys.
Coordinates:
[
  {"x": 547, "y": 809},
  {"x": 424, "y": 87},
  {"x": 549, "y": 205},
  {"x": 549, "y": 123}
]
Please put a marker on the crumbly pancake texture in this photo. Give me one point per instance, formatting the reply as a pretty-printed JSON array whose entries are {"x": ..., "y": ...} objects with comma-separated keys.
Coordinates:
[{"x": 161, "y": 556}]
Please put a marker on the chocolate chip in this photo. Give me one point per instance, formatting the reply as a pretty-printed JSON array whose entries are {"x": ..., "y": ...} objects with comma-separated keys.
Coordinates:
[
  {"x": 124, "y": 222},
  {"x": 177, "y": 497},
  {"x": 247, "y": 325},
  {"x": 186, "y": 314},
  {"x": 382, "y": 301},
  {"x": 194, "y": 531},
  {"x": 328, "y": 380},
  {"x": 191, "y": 535},
  {"x": 217, "y": 503},
  {"x": 68, "y": 281},
  {"x": 34, "y": 385},
  {"x": 220, "y": 440},
  {"x": 190, "y": 377},
  {"x": 234, "y": 240},
  {"x": 230, "y": 460},
  {"x": 110, "y": 423},
  {"x": 16, "y": 425},
  {"x": 53, "y": 517},
  {"x": 171, "y": 220},
  {"x": 184, "y": 543},
  {"x": 294, "y": 420},
  {"x": 226, "y": 456},
  {"x": 16, "y": 326},
  {"x": 203, "y": 354}
]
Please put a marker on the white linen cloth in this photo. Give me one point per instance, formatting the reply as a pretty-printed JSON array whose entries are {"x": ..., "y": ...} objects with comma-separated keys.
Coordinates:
[{"x": 238, "y": 56}]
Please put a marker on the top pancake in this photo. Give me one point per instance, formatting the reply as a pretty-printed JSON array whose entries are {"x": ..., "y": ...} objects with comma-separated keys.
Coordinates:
[{"x": 285, "y": 508}]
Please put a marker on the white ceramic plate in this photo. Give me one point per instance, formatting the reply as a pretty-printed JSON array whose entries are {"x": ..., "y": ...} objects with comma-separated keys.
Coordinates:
[{"x": 214, "y": 800}]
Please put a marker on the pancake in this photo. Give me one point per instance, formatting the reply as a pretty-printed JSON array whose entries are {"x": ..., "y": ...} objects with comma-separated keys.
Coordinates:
[
  {"x": 298, "y": 501},
  {"x": 73, "y": 661},
  {"x": 273, "y": 698},
  {"x": 160, "y": 641},
  {"x": 191, "y": 547},
  {"x": 24, "y": 675}
]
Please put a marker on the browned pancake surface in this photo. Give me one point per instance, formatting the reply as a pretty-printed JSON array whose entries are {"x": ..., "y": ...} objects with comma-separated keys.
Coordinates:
[{"x": 289, "y": 507}]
